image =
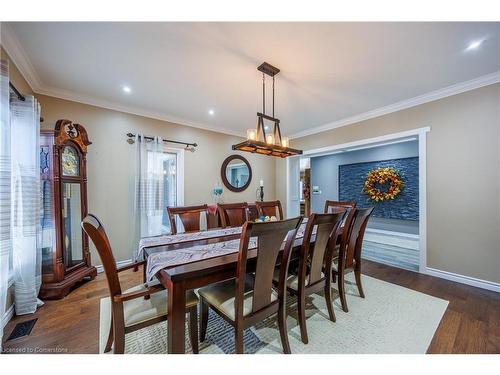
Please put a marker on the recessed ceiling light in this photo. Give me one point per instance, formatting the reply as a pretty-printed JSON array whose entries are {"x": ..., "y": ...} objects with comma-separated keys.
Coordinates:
[
  {"x": 211, "y": 112},
  {"x": 475, "y": 44},
  {"x": 126, "y": 89}
]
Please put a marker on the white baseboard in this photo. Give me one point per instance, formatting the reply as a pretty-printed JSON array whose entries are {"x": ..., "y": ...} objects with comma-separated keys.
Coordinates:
[
  {"x": 8, "y": 315},
  {"x": 121, "y": 263},
  {"x": 472, "y": 281}
]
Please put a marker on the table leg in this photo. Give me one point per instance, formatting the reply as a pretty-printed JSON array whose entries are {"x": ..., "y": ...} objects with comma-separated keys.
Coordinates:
[{"x": 176, "y": 318}]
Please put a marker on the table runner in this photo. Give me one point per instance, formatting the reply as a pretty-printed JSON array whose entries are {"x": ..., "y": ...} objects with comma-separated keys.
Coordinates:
[{"x": 177, "y": 257}]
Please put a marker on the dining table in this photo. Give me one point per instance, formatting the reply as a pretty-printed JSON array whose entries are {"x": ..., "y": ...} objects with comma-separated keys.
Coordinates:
[{"x": 192, "y": 260}]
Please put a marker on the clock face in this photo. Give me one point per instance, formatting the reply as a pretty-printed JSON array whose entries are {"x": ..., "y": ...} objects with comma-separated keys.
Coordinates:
[{"x": 70, "y": 162}]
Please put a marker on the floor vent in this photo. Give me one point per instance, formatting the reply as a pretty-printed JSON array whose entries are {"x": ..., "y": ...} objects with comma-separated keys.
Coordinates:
[{"x": 22, "y": 329}]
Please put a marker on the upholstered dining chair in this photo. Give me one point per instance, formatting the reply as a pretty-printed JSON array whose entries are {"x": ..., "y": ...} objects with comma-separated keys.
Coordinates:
[
  {"x": 129, "y": 310},
  {"x": 233, "y": 214},
  {"x": 349, "y": 258},
  {"x": 249, "y": 299},
  {"x": 188, "y": 215},
  {"x": 315, "y": 265},
  {"x": 270, "y": 208}
]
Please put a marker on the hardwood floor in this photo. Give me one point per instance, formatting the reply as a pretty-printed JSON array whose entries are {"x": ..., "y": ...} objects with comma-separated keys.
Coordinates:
[{"x": 471, "y": 324}]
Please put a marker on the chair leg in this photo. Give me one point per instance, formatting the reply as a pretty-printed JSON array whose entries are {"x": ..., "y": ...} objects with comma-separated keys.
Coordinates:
[
  {"x": 282, "y": 328},
  {"x": 203, "y": 319},
  {"x": 109, "y": 343},
  {"x": 341, "y": 287},
  {"x": 118, "y": 329},
  {"x": 193, "y": 328},
  {"x": 302, "y": 316},
  {"x": 357, "y": 274},
  {"x": 144, "y": 279},
  {"x": 238, "y": 333},
  {"x": 328, "y": 298}
]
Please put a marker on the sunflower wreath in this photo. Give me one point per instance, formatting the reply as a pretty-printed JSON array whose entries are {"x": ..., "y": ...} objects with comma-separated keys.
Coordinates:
[{"x": 381, "y": 176}]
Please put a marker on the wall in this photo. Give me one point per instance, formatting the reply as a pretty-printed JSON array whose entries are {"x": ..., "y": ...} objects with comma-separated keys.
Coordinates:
[
  {"x": 463, "y": 175},
  {"x": 110, "y": 161},
  {"x": 325, "y": 174},
  {"x": 110, "y": 164}
]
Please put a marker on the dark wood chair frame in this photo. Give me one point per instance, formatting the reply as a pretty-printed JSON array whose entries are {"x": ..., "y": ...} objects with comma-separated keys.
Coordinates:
[
  {"x": 270, "y": 236},
  {"x": 339, "y": 205},
  {"x": 349, "y": 258},
  {"x": 95, "y": 230},
  {"x": 233, "y": 214},
  {"x": 269, "y": 208},
  {"x": 189, "y": 216},
  {"x": 315, "y": 264}
]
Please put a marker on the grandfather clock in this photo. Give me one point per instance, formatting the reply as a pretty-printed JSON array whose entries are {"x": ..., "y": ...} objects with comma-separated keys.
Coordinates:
[{"x": 65, "y": 246}]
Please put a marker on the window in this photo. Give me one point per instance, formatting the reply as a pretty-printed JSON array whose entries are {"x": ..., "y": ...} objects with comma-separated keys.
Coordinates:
[{"x": 172, "y": 162}]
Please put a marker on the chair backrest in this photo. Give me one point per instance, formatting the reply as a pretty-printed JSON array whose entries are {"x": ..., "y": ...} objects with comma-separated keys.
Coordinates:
[
  {"x": 270, "y": 241},
  {"x": 233, "y": 214},
  {"x": 189, "y": 216},
  {"x": 338, "y": 206},
  {"x": 314, "y": 256},
  {"x": 95, "y": 230},
  {"x": 352, "y": 250},
  {"x": 253, "y": 213},
  {"x": 270, "y": 208}
]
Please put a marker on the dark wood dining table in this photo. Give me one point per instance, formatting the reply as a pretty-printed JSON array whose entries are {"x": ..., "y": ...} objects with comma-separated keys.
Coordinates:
[{"x": 179, "y": 279}]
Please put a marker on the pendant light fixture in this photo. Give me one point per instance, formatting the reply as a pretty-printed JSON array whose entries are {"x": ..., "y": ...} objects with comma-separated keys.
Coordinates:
[{"x": 258, "y": 141}]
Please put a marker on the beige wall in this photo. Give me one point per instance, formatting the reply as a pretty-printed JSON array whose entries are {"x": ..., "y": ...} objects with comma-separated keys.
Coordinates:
[
  {"x": 110, "y": 161},
  {"x": 463, "y": 176},
  {"x": 110, "y": 164}
]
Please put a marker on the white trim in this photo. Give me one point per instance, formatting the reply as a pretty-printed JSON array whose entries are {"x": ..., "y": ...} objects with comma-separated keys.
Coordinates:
[
  {"x": 472, "y": 281},
  {"x": 101, "y": 103},
  {"x": 121, "y": 263},
  {"x": 16, "y": 52},
  {"x": 180, "y": 177},
  {"x": 488, "y": 79},
  {"x": 422, "y": 199},
  {"x": 7, "y": 316},
  {"x": 366, "y": 141}
]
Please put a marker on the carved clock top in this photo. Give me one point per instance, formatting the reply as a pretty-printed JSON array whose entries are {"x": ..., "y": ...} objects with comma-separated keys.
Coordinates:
[{"x": 66, "y": 130}]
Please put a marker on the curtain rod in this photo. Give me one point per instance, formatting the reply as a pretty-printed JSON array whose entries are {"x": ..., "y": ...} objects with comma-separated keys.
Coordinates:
[
  {"x": 131, "y": 135},
  {"x": 20, "y": 96},
  {"x": 16, "y": 91}
]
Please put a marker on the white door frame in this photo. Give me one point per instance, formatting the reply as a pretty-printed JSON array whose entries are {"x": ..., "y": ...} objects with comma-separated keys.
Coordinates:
[{"x": 422, "y": 173}]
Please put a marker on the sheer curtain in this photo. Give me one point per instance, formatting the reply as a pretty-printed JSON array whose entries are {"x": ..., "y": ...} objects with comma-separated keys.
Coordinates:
[
  {"x": 25, "y": 146},
  {"x": 5, "y": 196},
  {"x": 149, "y": 198}
]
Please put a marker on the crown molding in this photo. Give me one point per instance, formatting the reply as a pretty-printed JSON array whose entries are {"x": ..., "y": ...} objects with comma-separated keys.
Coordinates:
[
  {"x": 16, "y": 52},
  {"x": 74, "y": 97},
  {"x": 455, "y": 89}
]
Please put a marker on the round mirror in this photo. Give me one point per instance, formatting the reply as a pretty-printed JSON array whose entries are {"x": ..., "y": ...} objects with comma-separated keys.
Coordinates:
[{"x": 236, "y": 173}]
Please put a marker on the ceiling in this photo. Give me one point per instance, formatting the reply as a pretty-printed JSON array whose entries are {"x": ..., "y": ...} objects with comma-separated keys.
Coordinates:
[{"x": 180, "y": 71}]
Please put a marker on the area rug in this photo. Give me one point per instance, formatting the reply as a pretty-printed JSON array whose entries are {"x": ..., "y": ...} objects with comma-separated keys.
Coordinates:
[{"x": 391, "y": 319}]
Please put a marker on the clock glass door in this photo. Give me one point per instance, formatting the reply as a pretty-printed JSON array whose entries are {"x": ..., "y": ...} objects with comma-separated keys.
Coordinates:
[{"x": 71, "y": 219}]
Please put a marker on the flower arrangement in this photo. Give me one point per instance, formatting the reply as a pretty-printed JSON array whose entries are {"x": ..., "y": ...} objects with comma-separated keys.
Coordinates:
[{"x": 381, "y": 176}]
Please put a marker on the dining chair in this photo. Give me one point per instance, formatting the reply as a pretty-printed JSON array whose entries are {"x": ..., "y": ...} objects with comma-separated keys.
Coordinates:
[
  {"x": 129, "y": 310},
  {"x": 253, "y": 213},
  {"x": 248, "y": 299},
  {"x": 339, "y": 206},
  {"x": 349, "y": 258},
  {"x": 315, "y": 264},
  {"x": 233, "y": 214},
  {"x": 189, "y": 216},
  {"x": 270, "y": 208}
]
